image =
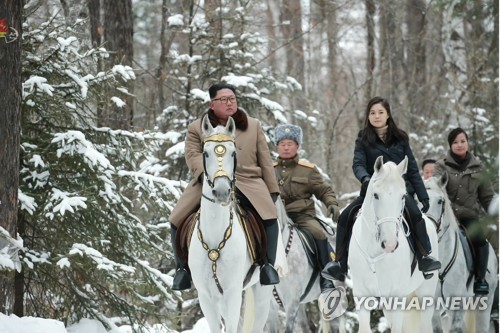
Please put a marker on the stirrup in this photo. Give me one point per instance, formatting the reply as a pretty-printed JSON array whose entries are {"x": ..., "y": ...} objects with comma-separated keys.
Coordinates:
[
  {"x": 481, "y": 287},
  {"x": 268, "y": 275},
  {"x": 325, "y": 284},
  {"x": 427, "y": 276},
  {"x": 333, "y": 271},
  {"x": 428, "y": 264},
  {"x": 182, "y": 280}
]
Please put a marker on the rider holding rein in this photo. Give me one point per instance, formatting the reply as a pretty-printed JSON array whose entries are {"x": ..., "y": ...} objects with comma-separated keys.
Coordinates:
[
  {"x": 299, "y": 180},
  {"x": 256, "y": 184},
  {"x": 470, "y": 194},
  {"x": 382, "y": 137}
]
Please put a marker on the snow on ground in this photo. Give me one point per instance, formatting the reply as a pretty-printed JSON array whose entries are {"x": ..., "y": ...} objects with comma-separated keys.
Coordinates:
[{"x": 14, "y": 324}]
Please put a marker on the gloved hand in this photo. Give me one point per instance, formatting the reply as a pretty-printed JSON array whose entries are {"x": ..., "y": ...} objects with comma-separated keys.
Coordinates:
[
  {"x": 425, "y": 205},
  {"x": 333, "y": 212},
  {"x": 275, "y": 196},
  {"x": 364, "y": 186}
]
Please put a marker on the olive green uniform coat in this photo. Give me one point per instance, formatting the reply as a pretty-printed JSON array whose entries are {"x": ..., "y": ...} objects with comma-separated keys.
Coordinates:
[
  {"x": 469, "y": 191},
  {"x": 299, "y": 180}
]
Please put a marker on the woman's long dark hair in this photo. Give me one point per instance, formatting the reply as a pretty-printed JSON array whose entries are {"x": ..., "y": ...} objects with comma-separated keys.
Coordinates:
[{"x": 394, "y": 134}]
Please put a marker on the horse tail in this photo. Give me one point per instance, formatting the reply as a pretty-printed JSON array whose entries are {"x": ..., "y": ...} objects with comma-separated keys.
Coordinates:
[
  {"x": 411, "y": 320},
  {"x": 248, "y": 312},
  {"x": 470, "y": 321}
]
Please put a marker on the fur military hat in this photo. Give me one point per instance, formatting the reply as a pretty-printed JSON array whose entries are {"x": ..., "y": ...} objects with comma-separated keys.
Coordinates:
[{"x": 288, "y": 131}]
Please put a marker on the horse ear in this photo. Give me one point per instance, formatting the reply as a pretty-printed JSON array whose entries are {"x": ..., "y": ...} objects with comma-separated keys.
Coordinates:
[
  {"x": 443, "y": 179},
  {"x": 403, "y": 166},
  {"x": 378, "y": 163},
  {"x": 206, "y": 126},
  {"x": 231, "y": 126}
]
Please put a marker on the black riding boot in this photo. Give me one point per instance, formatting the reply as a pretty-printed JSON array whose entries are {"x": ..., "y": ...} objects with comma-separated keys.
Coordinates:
[
  {"x": 481, "y": 264},
  {"x": 182, "y": 277},
  {"x": 337, "y": 270},
  {"x": 268, "y": 274},
  {"x": 426, "y": 263},
  {"x": 324, "y": 259}
]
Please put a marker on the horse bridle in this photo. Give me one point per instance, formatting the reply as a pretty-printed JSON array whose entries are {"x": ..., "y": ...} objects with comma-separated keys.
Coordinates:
[
  {"x": 439, "y": 221},
  {"x": 399, "y": 221},
  {"x": 220, "y": 151}
]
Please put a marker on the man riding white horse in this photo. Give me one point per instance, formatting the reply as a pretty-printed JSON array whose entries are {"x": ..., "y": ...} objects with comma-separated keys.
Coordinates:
[
  {"x": 299, "y": 180},
  {"x": 256, "y": 184}
]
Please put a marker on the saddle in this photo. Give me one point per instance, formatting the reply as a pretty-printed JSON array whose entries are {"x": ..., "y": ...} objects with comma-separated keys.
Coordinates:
[{"x": 251, "y": 223}]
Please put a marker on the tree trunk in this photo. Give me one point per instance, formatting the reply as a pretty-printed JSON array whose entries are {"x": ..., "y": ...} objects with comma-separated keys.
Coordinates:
[
  {"x": 416, "y": 59},
  {"x": 370, "y": 47},
  {"x": 10, "y": 127},
  {"x": 118, "y": 36},
  {"x": 291, "y": 22}
]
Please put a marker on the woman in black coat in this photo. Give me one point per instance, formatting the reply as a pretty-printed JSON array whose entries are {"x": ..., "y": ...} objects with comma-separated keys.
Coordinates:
[{"x": 382, "y": 137}]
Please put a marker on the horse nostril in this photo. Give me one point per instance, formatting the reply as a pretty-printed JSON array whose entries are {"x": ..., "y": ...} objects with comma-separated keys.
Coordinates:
[
  {"x": 383, "y": 245},
  {"x": 397, "y": 244}
]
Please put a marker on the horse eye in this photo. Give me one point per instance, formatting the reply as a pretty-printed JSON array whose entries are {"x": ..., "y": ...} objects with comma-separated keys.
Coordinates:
[
  {"x": 205, "y": 154},
  {"x": 375, "y": 195},
  {"x": 440, "y": 201}
]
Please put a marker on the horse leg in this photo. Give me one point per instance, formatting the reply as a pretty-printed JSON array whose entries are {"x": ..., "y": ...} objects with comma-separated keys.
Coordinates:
[
  {"x": 261, "y": 306},
  {"x": 426, "y": 319},
  {"x": 273, "y": 317},
  {"x": 210, "y": 312},
  {"x": 291, "y": 315},
  {"x": 441, "y": 321},
  {"x": 364, "y": 321},
  {"x": 396, "y": 320},
  {"x": 232, "y": 309}
]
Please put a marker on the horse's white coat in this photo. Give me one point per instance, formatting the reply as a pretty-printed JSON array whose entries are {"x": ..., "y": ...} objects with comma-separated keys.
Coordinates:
[
  {"x": 234, "y": 261},
  {"x": 454, "y": 282},
  {"x": 380, "y": 256}
]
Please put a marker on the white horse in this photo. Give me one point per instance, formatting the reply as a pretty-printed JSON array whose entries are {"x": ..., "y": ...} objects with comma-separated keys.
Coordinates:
[
  {"x": 218, "y": 256},
  {"x": 455, "y": 280},
  {"x": 380, "y": 257},
  {"x": 300, "y": 286}
]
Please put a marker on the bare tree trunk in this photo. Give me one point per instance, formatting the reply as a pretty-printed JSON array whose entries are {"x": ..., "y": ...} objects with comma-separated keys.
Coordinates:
[
  {"x": 118, "y": 36},
  {"x": 392, "y": 84},
  {"x": 370, "y": 47},
  {"x": 291, "y": 20},
  {"x": 10, "y": 127},
  {"x": 416, "y": 58},
  {"x": 96, "y": 28},
  {"x": 272, "y": 40}
]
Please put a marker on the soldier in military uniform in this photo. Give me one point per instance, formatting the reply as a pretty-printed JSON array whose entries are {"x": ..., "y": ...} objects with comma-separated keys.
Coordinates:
[{"x": 299, "y": 180}]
